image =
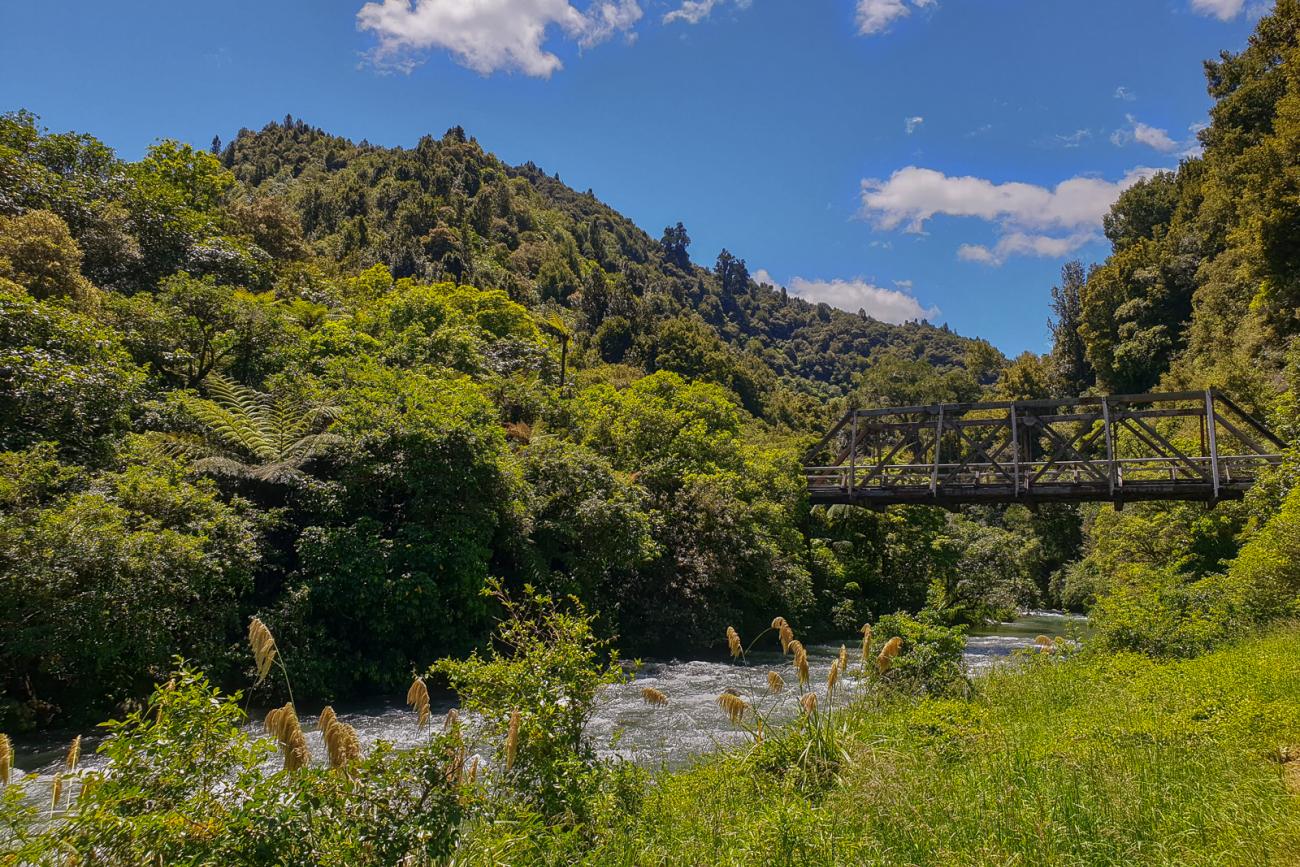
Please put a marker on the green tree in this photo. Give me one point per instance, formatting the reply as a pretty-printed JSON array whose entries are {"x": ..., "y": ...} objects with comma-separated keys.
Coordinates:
[
  {"x": 109, "y": 575},
  {"x": 63, "y": 376}
]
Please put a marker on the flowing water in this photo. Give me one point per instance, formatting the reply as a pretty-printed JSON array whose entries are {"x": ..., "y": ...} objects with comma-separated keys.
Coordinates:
[{"x": 669, "y": 736}]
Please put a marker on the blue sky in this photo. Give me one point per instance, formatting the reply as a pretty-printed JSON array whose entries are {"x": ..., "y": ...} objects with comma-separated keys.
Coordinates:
[{"x": 913, "y": 157}]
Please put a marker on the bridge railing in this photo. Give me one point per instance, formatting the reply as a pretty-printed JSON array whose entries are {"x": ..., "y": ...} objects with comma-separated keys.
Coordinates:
[{"x": 1186, "y": 445}]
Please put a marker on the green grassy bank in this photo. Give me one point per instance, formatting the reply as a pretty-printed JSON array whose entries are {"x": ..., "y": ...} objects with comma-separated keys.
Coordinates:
[{"x": 1089, "y": 760}]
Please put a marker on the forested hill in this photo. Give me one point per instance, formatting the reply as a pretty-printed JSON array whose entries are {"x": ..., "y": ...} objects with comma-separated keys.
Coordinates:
[
  {"x": 448, "y": 210},
  {"x": 341, "y": 387}
]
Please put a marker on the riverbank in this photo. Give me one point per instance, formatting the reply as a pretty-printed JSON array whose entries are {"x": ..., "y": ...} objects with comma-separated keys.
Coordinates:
[{"x": 1093, "y": 760}]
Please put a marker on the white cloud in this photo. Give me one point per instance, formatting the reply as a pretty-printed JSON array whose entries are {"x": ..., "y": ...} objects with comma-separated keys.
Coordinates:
[
  {"x": 695, "y": 11},
  {"x": 887, "y": 305},
  {"x": 875, "y": 16},
  {"x": 1123, "y": 93},
  {"x": 913, "y": 195},
  {"x": 911, "y": 123},
  {"x": 489, "y": 35},
  {"x": 1143, "y": 133},
  {"x": 1224, "y": 10},
  {"x": 1024, "y": 213},
  {"x": 1025, "y": 244}
]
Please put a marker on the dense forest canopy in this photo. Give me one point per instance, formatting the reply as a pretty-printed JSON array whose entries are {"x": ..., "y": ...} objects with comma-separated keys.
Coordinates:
[
  {"x": 344, "y": 387},
  {"x": 341, "y": 386}
]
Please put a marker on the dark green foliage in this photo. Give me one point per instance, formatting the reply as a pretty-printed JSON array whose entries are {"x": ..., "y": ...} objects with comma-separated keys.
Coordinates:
[
  {"x": 106, "y": 575},
  {"x": 393, "y": 562},
  {"x": 63, "y": 376}
]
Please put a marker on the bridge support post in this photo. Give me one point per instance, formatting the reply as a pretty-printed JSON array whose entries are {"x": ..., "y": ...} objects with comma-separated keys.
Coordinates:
[
  {"x": 938, "y": 446},
  {"x": 1110, "y": 445},
  {"x": 853, "y": 453},
  {"x": 1214, "y": 445},
  {"x": 1015, "y": 452}
]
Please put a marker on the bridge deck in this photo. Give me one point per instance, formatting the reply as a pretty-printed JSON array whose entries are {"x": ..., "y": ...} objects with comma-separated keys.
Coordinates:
[{"x": 1122, "y": 448}]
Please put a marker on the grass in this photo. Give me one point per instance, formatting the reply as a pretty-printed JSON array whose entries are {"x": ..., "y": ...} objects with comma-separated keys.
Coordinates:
[{"x": 1090, "y": 760}]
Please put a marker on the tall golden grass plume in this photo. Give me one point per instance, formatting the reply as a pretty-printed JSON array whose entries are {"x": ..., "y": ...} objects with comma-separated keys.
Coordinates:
[
  {"x": 786, "y": 634},
  {"x": 451, "y": 722},
  {"x": 733, "y": 642},
  {"x": 844, "y": 659},
  {"x": 264, "y": 649},
  {"x": 654, "y": 697},
  {"x": 866, "y": 641},
  {"x": 885, "y": 661},
  {"x": 800, "y": 661},
  {"x": 1045, "y": 644},
  {"x": 74, "y": 755},
  {"x": 512, "y": 740},
  {"x": 775, "y": 683},
  {"x": 809, "y": 703},
  {"x": 733, "y": 706},
  {"x": 56, "y": 791},
  {"x": 342, "y": 745},
  {"x": 328, "y": 719},
  {"x": 418, "y": 698},
  {"x": 6, "y": 759},
  {"x": 834, "y": 677},
  {"x": 778, "y": 622},
  {"x": 283, "y": 725}
]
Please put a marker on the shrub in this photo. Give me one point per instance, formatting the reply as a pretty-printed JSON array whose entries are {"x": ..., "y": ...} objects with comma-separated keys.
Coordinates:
[
  {"x": 535, "y": 692},
  {"x": 931, "y": 655}
]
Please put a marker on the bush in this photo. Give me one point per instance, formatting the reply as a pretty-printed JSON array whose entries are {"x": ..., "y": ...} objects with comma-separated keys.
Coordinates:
[
  {"x": 535, "y": 696},
  {"x": 931, "y": 656}
]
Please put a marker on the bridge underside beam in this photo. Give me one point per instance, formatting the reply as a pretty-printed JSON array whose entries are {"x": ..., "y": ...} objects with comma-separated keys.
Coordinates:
[{"x": 951, "y": 497}]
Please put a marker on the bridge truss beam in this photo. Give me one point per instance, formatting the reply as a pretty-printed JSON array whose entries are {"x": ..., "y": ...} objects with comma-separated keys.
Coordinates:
[{"x": 1120, "y": 448}]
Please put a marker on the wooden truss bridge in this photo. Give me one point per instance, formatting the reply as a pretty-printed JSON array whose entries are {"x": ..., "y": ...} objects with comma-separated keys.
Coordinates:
[{"x": 1179, "y": 446}]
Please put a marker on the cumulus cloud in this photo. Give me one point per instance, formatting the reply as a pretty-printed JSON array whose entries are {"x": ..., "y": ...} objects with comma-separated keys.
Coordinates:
[
  {"x": 911, "y": 123},
  {"x": 695, "y": 11},
  {"x": 887, "y": 305},
  {"x": 1025, "y": 244},
  {"x": 489, "y": 35},
  {"x": 876, "y": 16},
  {"x": 1143, "y": 133},
  {"x": 1224, "y": 10},
  {"x": 1024, "y": 213},
  {"x": 1124, "y": 94}
]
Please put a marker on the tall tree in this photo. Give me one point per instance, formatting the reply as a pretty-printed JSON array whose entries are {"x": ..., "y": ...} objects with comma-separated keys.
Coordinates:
[
  {"x": 1069, "y": 360},
  {"x": 675, "y": 243}
]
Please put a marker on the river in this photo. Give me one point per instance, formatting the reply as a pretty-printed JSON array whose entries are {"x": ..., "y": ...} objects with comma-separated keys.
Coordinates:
[{"x": 669, "y": 736}]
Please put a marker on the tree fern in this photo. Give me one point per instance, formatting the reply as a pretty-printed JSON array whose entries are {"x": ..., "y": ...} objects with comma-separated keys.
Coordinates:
[{"x": 249, "y": 434}]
